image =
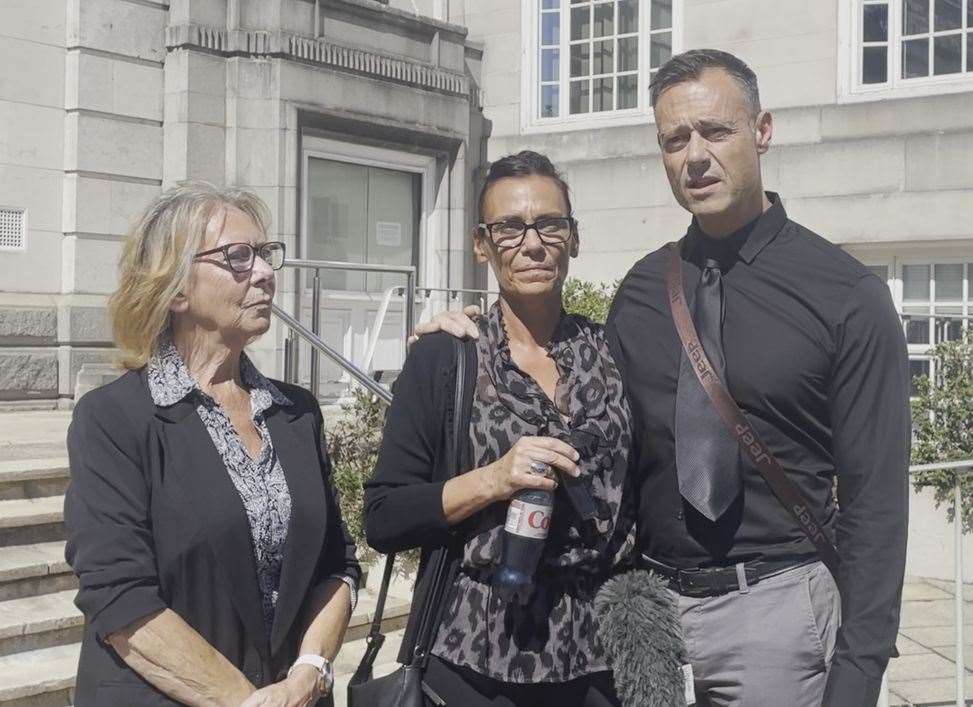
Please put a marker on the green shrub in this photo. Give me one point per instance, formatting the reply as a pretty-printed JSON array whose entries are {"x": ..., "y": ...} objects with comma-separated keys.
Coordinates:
[
  {"x": 942, "y": 419},
  {"x": 353, "y": 440},
  {"x": 590, "y": 299}
]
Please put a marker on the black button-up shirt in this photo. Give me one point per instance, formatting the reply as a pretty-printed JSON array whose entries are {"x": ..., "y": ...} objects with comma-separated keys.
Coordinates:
[{"x": 816, "y": 359}]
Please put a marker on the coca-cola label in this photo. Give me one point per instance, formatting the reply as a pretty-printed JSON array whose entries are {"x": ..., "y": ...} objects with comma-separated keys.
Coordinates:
[{"x": 529, "y": 520}]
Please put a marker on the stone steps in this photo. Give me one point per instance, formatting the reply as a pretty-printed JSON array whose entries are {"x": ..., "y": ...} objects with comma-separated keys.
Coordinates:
[
  {"x": 26, "y": 521},
  {"x": 29, "y": 570},
  {"x": 39, "y": 678},
  {"x": 33, "y": 478},
  {"x": 37, "y": 622}
]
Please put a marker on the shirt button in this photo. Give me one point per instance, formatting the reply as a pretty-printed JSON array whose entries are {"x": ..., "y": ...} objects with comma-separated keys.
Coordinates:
[{"x": 678, "y": 515}]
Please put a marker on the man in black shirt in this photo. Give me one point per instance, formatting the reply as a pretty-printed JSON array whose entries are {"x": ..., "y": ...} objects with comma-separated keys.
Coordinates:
[{"x": 810, "y": 347}]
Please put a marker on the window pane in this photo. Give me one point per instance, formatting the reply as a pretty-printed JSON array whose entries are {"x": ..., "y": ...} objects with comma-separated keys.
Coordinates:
[
  {"x": 604, "y": 57},
  {"x": 917, "y": 369},
  {"x": 875, "y": 65},
  {"x": 603, "y": 97},
  {"x": 550, "y": 97},
  {"x": 917, "y": 329},
  {"x": 969, "y": 44},
  {"x": 580, "y": 59},
  {"x": 628, "y": 16},
  {"x": 948, "y": 15},
  {"x": 550, "y": 4},
  {"x": 969, "y": 282},
  {"x": 392, "y": 223},
  {"x": 948, "y": 54},
  {"x": 915, "y": 16},
  {"x": 949, "y": 282},
  {"x": 581, "y": 22},
  {"x": 660, "y": 49},
  {"x": 628, "y": 92},
  {"x": 550, "y": 64},
  {"x": 948, "y": 328},
  {"x": 875, "y": 24},
  {"x": 880, "y": 271},
  {"x": 337, "y": 229},
  {"x": 605, "y": 20},
  {"x": 915, "y": 58},
  {"x": 661, "y": 14},
  {"x": 579, "y": 97},
  {"x": 628, "y": 54},
  {"x": 550, "y": 28},
  {"x": 915, "y": 283}
]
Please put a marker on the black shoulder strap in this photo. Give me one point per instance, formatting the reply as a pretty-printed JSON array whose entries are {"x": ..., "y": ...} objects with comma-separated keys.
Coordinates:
[{"x": 440, "y": 559}]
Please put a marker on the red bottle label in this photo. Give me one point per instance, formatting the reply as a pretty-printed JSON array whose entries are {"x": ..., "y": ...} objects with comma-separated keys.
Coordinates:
[{"x": 528, "y": 520}]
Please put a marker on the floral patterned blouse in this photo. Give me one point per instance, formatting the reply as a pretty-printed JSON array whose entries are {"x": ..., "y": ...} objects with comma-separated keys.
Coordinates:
[{"x": 259, "y": 480}]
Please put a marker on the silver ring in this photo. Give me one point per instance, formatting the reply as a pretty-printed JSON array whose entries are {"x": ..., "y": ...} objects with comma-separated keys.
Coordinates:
[{"x": 540, "y": 468}]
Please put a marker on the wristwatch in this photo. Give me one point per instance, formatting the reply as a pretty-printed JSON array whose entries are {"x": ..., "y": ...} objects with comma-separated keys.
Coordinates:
[{"x": 323, "y": 665}]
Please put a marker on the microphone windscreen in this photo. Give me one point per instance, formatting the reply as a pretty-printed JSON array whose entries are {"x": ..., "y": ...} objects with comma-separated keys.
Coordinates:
[{"x": 638, "y": 623}]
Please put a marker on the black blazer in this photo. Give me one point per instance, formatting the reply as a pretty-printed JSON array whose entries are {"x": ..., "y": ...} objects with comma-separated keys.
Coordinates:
[
  {"x": 404, "y": 497},
  {"x": 154, "y": 521}
]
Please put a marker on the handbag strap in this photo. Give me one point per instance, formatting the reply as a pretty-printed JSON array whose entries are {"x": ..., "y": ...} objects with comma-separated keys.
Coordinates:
[
  {"x": 751, "y": 444},
  {"x": 432, "y": 606},
  {"x": 439, "y": 561}
]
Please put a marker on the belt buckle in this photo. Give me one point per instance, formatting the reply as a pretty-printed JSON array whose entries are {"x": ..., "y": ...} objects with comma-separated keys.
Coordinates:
[{"x": 690, "y": 588}]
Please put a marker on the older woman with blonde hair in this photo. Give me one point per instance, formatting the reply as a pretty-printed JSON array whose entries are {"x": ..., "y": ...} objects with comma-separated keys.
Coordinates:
[{"x": 213, "y": 564}]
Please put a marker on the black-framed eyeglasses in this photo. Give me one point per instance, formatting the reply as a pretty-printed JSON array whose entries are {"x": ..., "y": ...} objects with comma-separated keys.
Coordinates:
[
  {"x": 511, "y": 232},
  {"x": 240, "y": 256}
]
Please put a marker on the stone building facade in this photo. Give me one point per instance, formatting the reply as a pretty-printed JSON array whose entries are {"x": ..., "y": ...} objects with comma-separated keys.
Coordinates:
[
  {"x": 103, "y": 103},
  {"x": 873, "y": 125}
]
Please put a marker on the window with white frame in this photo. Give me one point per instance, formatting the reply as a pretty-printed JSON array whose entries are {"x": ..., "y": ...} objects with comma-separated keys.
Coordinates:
[
  {"x": 898, "y": 44},
  {"x": 594, "y": 58},
  {"x": 935, "y": 297}
]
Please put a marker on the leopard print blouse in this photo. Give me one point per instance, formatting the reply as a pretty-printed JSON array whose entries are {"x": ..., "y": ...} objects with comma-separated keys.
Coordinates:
[{"x": 553, "y": 637}]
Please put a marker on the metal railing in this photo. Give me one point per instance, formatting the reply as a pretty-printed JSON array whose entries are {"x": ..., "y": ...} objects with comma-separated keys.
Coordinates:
[
  {"x": 291, "y": 357},
  {"x": 451, "y": 294},
  {"x": 958, "y": 469},
  {"x": 319, "y": 345}
]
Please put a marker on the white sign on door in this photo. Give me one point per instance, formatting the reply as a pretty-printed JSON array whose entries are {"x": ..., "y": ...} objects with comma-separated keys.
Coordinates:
[{"x": 388, "y": 234}]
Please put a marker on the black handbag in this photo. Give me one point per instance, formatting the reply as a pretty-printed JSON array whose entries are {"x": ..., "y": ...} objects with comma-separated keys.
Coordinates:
[{"x": 405, "y": 687}]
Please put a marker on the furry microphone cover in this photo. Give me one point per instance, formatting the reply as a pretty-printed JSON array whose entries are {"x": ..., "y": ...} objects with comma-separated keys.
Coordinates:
[{"x": 639, "y": 627}]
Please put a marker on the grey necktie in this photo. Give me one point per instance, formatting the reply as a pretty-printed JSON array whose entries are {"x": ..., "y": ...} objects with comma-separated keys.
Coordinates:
[{"x": 707, "y": 454}]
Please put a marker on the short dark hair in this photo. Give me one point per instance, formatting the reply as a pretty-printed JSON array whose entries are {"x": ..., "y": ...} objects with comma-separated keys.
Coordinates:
[
  {"x": 688, "y": 66},
  {"x": 523, "y": 164}
]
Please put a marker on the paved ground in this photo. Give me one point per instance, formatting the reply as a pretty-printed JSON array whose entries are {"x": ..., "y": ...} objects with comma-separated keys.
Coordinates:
[
  {"x": 924, "y": 675},
  {"x": 925, "y": 672}
]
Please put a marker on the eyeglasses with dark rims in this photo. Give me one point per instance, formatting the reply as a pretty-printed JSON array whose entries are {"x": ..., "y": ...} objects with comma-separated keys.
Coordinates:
[
  {"x": 510, "y": 233},
  {"x": 240, "y": 256}
]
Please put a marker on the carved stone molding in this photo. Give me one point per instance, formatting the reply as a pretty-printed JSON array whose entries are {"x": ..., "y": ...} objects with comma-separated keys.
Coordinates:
[{"x": 319, "y": 52}]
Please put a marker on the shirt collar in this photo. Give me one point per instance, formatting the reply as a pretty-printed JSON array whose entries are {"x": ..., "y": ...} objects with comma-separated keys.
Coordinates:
[
  {"x": 745, "y": 243},
  {"x": 170, "y": 380}
]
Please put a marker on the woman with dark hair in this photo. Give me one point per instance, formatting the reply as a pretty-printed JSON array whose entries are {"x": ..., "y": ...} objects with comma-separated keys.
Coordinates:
[{"x": 547, "y": 405}]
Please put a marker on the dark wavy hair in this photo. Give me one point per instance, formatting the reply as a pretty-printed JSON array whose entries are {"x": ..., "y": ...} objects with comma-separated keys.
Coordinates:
[
  {"x": 688, "y": 66},
  {"x": 523, "y": 164}
]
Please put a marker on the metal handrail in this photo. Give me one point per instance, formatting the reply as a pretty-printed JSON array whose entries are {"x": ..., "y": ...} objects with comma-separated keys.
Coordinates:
[
  {"x": 959, "y": 469},
  {"x": 292, "y": 352},
  {"x": 319, "y": 344}
]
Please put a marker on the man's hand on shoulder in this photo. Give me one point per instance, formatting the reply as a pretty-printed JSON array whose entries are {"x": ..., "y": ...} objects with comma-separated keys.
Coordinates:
[{"x": 458, "y": 324}]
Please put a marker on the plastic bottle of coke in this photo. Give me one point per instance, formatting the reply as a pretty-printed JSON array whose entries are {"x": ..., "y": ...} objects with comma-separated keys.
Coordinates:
[{"x": 525, "y": 532}]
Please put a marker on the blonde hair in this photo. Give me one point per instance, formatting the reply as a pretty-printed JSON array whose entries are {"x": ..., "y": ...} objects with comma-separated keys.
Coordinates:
[{"x": 157, "y": 258}]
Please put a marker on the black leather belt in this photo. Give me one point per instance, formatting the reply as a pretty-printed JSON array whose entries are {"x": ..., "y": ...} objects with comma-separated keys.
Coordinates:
[{"x": 715, "y": 581}]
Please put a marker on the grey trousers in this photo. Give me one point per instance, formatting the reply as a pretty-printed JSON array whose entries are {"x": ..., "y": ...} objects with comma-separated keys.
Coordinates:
[{"x": 769, "y": 645}]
